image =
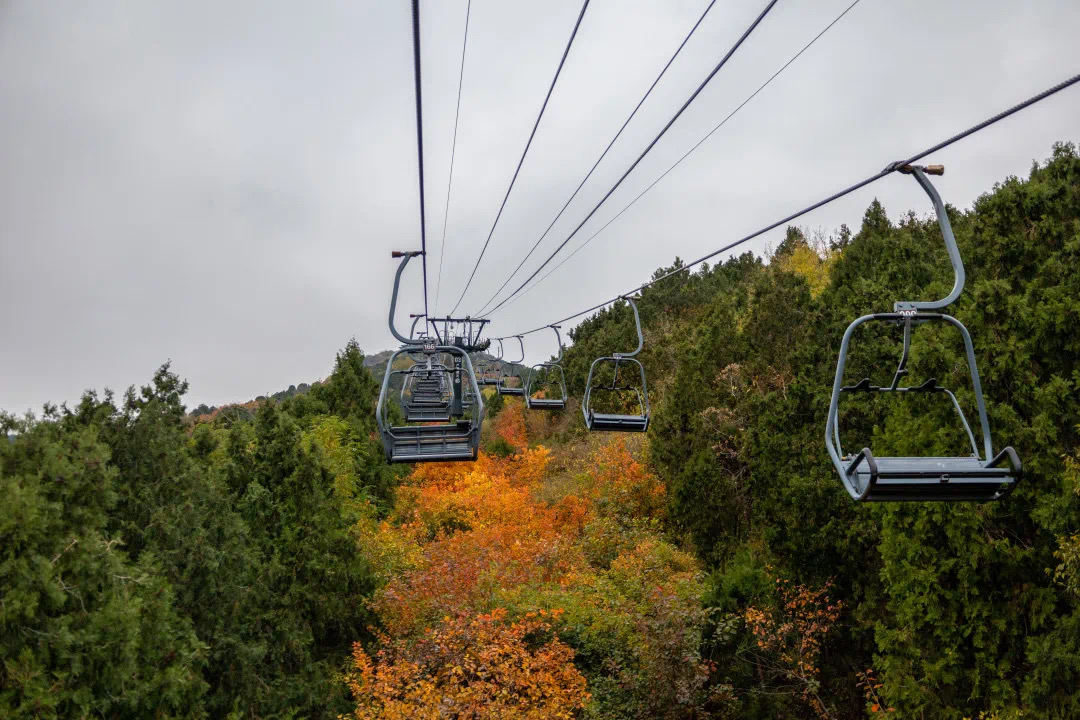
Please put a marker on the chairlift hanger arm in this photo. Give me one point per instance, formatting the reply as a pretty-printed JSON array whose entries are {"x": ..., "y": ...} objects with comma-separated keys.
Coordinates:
[
  {"x": 637, "y": 324},
  {"x": 558, "y": 338},
  {"x": 405, "y": 258},
  {"x": 920, "y": 172}
]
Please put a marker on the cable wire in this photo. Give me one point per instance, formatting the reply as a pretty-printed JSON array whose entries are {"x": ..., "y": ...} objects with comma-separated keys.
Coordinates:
[
  {"x": 889, "y": 169},
  {"x": 528, "y": 144},
  {"x": 652, "y": 144},
  {"x": 688, "y": 152},
  {"x": 453, "y": 152},
  {"x": 599, "y": 159},
  {"x": 420, "y": 140}
]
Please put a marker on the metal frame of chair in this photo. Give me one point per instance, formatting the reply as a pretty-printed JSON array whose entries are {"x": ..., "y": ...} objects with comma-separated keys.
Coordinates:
[
  {"x": 868, "y": 477},
  {"x": 546, "y": 403},
  {"x": 431, "y": 442},
  {"x": 615, "y": 422}
]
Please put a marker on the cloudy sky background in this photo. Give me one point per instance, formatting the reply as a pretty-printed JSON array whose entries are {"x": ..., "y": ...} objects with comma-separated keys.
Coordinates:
[{"x": 221, "y": 184}]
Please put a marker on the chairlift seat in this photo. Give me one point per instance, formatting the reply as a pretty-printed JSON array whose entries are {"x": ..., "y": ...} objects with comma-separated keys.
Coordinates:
[
  {"x": 420, "y": 414},
  {"x": 434, "y": 443},
  {"x": 617, "y": 423},
  {"x": 546, "y": 403},
  {"x": 892, "y": 479},
  {"x": 552, "y": 368}
]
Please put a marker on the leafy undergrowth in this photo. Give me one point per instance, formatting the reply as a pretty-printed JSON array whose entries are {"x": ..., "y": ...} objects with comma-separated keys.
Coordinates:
[{"x": 513, "y": 591}]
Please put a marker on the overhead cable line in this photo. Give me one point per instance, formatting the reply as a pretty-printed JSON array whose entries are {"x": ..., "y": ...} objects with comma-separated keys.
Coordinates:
[
  {"x": 889, "y": 169},
  {"x": 599, "y": 159},
  {"x": 420, "y": 140},
  {"x": 688, "y": 152},
  {"x": 645, "y": 152},
  {"x": 453, "y": 152},
  {"x": 543, "y": 107}
]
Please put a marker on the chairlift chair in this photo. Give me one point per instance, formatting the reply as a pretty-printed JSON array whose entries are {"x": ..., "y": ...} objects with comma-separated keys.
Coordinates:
[
  {"x": 549, "y": 368},
  {"x": 616, "y": 422},
  {"x": 873, "y": 478},
  {"x": 458, "y": 439},
  {"x": 511, "y": 390},
  {"x": 489, "y": 376}
]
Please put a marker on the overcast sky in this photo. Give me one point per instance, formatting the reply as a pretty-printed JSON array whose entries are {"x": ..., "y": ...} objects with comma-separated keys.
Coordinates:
[{"x": 221, "y": 183}]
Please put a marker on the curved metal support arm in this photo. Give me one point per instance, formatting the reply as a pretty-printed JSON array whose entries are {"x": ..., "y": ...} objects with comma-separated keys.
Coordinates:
[
  {"x": 637, "y": 324},
  {"x": 558, "y": 337},
  {"x": 521, "y": 344},
  {"x": 501, "y": 351},
  {"x": 405, "y": 258},
  {"x": 950, "y": 244}
]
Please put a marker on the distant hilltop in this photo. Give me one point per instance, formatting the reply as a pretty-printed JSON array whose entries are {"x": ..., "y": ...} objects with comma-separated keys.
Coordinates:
[{"x": 375, "y": 362}]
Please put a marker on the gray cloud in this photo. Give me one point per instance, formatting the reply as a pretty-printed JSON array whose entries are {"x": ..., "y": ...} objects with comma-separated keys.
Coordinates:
[{"x": 221, "y": 183}]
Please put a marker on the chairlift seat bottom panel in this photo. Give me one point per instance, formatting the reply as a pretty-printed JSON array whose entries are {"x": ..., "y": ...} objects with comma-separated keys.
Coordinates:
[
  {"x": 546, "y": 404},
  {"x": 432, "y": 443},
  {"x": 618, "y": 423},
  {"x": 516, "y": 392},
  {"x": 933, "y": 478},
  {"x": 415, "y": 415},
  {"x": 458, "y": 450}
]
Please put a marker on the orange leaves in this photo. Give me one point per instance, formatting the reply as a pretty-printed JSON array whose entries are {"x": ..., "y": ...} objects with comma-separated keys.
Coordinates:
[
  {"x": 510, "y": 425},
  {"x": 872, "y": 692},
  {"x": 495, "y": 540},
  {"x": 479, "y": 666},
  {"x": 624, "y": 486},
  {"x": 529, "y": 468},
  {"x": 481, "y": 536},
  {"x": 790, "y": 634}
]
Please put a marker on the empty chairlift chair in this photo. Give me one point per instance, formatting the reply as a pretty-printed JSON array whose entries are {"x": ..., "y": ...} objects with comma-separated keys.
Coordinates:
[
  {"x": 458, "y": 439},
  {"x": 489, "y": 376},
  {"x": 554, "y": 378},
  {"x": 503, "y": 387},
  {"x": 611, "y": 421},
  {"x": 974, "y": 477}
]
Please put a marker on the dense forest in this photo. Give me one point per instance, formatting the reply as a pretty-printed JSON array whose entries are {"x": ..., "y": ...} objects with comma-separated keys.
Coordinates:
[{"x": 270, "y": 564}]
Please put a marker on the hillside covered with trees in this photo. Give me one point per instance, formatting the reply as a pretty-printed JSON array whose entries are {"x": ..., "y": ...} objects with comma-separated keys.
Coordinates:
[{"x": 270, "y": 564}]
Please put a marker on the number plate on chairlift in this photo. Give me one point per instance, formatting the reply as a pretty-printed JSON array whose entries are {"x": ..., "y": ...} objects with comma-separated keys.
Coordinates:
[{"x": 429, "y": 345}]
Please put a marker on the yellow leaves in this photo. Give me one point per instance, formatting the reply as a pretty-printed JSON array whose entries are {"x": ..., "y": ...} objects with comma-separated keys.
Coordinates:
[{"x": 807, "y": 263}]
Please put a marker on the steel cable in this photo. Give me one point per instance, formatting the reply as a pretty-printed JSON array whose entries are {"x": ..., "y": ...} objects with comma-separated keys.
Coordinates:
[
  {"x": 889, "y": 169},
  {"x": 528, "y": 144},
  {"x": 693, "y": 96}
]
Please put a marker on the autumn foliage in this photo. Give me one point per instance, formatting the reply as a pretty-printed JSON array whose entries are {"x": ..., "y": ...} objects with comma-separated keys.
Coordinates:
[
  {"x": 502, "y": 585},
  {"x": 482, "y": 666},
  {"x": 789, "y": 636}
]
